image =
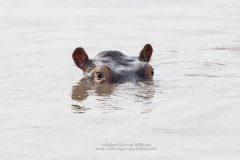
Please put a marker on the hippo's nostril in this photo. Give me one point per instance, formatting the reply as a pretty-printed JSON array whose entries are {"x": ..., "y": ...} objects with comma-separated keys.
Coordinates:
[{"x": 99, "y": 75}]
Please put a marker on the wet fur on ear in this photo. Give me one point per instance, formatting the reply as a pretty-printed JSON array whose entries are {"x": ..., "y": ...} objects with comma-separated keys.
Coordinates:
[
  {"x": 146, "y": 53},
  {"x": 80, "y": 57}
]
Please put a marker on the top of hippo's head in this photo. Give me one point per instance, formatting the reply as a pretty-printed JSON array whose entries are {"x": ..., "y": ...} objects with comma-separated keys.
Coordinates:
[{"x": 114, "y": 66}]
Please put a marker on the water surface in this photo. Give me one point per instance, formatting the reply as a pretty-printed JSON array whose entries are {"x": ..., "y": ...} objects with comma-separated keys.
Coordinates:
[{"x": 189, "y": 111}]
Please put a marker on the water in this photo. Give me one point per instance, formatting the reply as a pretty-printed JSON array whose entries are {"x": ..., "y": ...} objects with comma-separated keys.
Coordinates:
[{"x": 190, "y": 110}]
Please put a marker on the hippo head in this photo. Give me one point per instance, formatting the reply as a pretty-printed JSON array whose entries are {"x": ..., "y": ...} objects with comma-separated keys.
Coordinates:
[{"x": 114, "y": 66}]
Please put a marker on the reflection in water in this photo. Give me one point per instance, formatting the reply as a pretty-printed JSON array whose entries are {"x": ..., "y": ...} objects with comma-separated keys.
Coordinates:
[
  {"x": 110, "y": 96},
  {"x": 79, "y": 109},
  {"x": 85, "y": 86}
]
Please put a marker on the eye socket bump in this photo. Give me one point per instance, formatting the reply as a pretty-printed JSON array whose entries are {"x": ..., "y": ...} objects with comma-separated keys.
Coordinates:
[{"x": 99, "y": 75}]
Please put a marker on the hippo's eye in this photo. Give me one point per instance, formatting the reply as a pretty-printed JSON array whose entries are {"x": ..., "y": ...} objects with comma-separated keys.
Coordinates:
[
  {"x": 99, "y": 75},
  {"x": 152, "y": 72}
]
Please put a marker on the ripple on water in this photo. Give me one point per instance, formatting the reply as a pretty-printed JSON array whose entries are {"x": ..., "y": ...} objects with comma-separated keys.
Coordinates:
[{"x": 109, "y": 97}]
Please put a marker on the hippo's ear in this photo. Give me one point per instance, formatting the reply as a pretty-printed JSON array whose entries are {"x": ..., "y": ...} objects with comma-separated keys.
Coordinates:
[
  {"x": 146, "y": 53},
  {"x": 80, "y": 57}
]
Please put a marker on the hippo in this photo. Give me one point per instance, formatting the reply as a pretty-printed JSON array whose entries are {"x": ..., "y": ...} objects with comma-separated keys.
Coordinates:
[{"x": 114, "y": 66}]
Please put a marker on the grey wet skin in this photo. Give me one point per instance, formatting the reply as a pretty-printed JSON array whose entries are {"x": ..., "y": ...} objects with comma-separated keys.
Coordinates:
[{"x": 114, "y": 66}]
